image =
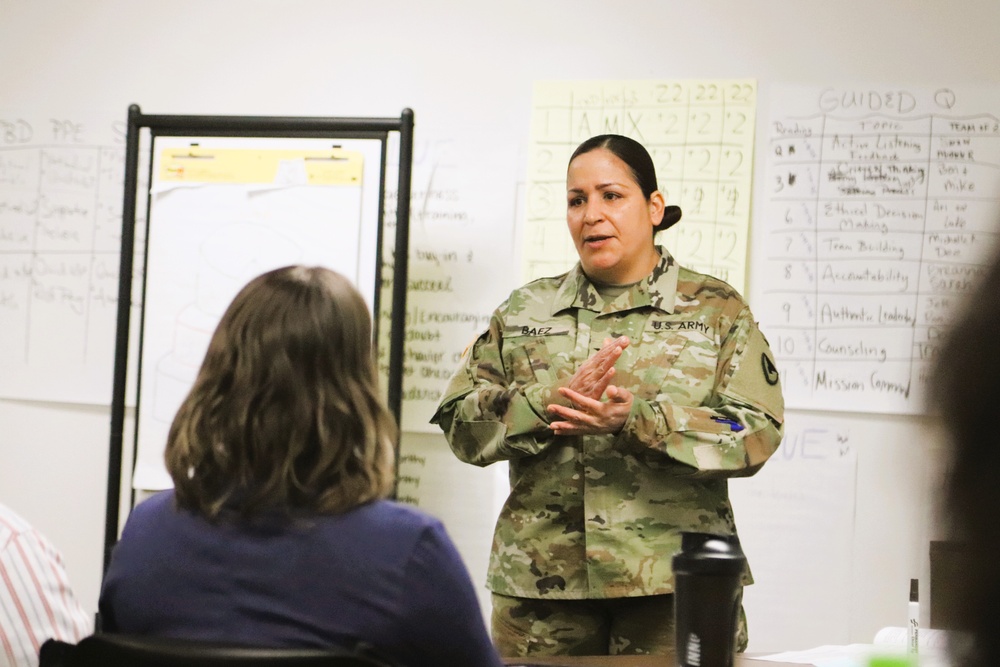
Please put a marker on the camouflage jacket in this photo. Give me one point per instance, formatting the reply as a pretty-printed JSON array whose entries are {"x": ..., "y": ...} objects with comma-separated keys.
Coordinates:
[{"x": 601, "y": 516}]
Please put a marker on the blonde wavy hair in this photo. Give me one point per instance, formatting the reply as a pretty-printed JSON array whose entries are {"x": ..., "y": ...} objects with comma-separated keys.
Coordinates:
[{"x": 285, "y": 413}]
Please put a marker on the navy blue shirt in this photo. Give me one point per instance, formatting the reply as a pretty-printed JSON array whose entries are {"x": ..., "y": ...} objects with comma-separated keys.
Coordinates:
[{"x": 383, "y": 574}]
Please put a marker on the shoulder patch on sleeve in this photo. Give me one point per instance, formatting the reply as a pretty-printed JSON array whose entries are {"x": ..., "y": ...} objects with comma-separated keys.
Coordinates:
[{"x": 756, "y": 379}]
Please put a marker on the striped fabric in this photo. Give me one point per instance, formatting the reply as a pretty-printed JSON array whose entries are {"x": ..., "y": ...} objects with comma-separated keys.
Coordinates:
[{"x": 35, "y": 598}]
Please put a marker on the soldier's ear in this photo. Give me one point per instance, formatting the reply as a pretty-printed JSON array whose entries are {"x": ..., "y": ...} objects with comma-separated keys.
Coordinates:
[{"x": 656, "y": 206}]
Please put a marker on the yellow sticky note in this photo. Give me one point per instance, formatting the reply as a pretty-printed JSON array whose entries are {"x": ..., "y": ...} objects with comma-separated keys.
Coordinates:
[{"x": 199, "y": 164}]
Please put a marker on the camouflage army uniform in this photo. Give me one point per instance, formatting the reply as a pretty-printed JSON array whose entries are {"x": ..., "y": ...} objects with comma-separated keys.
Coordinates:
[{"x": 601, "y": 516}]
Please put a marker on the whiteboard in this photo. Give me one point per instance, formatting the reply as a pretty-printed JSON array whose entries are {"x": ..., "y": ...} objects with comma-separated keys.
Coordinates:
[{"x": 223, "y": 211}]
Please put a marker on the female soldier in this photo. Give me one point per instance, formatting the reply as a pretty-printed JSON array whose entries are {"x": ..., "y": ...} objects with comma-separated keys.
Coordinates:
[
  {"x": 623, "y": 393},
  {"x": 276, "y": 533}
]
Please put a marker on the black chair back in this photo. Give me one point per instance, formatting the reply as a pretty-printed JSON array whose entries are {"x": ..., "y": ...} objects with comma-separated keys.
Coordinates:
[{"x": 112, "y": 650}]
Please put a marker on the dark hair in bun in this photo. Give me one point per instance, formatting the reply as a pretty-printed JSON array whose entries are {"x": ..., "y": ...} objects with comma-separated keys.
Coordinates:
[{"x": 633, "y": 154}]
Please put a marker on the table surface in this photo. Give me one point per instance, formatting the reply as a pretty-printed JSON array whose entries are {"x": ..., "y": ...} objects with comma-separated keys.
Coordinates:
[{"x": 630, "y": 661}]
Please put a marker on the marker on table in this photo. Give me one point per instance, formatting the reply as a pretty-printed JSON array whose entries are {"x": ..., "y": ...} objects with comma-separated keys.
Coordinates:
[{"x": 913, "y": 628}]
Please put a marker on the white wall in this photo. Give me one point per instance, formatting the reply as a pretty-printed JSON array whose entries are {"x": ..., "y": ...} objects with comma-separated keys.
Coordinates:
[{"x": 467, "y": 70}]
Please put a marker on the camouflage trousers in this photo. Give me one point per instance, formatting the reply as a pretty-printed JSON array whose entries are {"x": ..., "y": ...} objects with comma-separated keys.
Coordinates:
[{"x": 610, "y": 626}]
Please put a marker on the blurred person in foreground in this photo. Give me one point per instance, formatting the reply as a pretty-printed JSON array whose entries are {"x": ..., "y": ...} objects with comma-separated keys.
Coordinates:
[{"x": 965, "y": 392}]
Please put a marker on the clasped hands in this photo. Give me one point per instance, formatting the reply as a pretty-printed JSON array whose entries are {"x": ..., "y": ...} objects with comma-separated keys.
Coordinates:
[{"x": 590, "y": 415}]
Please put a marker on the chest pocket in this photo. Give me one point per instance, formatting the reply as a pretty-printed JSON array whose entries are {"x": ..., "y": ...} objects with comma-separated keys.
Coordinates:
[
  {"x": 538, "y": 354},
  {"x": 675, "y": 361}
]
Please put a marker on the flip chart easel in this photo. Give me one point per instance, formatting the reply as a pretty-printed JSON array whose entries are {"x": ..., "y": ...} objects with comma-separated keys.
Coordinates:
[{"x": 293, "y": 171}]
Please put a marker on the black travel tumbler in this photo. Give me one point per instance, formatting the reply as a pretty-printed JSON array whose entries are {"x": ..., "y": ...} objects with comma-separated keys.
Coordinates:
[{"x": 707, "y": 598}]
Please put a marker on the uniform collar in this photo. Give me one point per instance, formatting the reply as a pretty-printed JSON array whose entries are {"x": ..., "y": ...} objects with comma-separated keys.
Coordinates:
[{"x": 658, "y": 290}]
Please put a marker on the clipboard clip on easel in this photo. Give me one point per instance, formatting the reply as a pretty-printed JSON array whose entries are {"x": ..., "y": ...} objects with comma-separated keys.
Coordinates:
[
  {"x": 333, "y": 157},
  {"x": 192, "y": 154}
]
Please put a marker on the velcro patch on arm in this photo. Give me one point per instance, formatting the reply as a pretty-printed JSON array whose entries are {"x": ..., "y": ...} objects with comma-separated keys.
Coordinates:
[{"x": 756, "y": 379}]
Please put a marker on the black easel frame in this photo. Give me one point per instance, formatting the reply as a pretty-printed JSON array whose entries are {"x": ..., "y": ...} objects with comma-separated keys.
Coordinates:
[{"x": 254, "y": 126}]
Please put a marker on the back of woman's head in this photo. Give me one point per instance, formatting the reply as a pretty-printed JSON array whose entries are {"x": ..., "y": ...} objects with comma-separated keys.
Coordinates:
[{"x": 285, "y": 412}]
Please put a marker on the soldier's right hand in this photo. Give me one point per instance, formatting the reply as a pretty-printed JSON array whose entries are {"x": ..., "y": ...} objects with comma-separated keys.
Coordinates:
[{"x": 594, "y": 375}]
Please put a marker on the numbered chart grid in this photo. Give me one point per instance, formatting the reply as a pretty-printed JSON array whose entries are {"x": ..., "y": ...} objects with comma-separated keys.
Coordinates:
[
  {"x": 700, "y": 136},
  {"x": 882, "y": 209}
]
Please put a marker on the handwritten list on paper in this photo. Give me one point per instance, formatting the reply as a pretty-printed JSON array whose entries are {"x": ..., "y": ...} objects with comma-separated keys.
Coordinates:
[
  {"x": 461, "y": 244},
  {"x": 700, "y": 135},
  {"x": 60, "y": 239},
  {"x": 882, "y": 207}
]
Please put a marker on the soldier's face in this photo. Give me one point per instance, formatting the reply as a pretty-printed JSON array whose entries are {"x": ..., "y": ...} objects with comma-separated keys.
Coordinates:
[{"x": 610, "y": 220}]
